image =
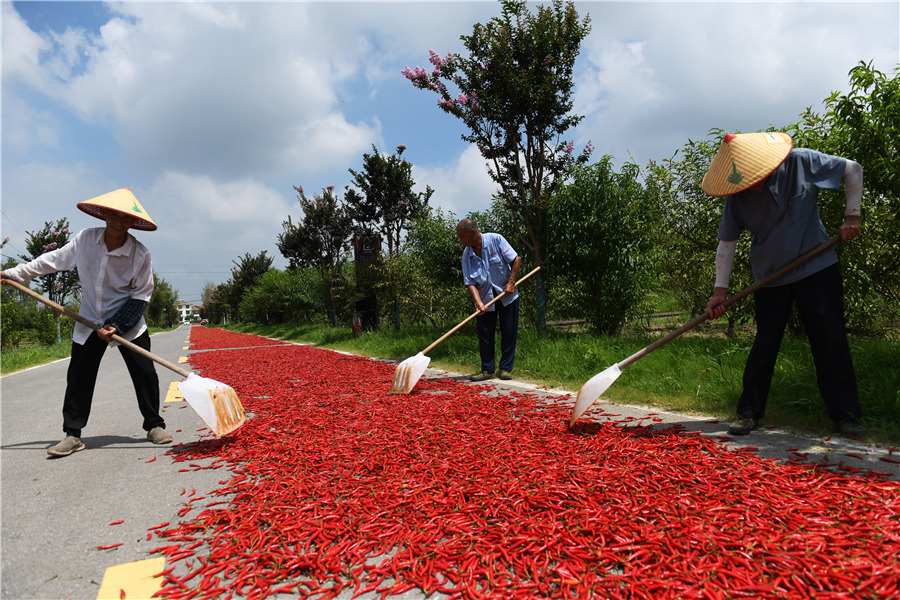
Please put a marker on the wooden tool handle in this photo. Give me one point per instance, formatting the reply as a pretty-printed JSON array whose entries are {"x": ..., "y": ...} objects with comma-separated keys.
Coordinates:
[
  {"x": 474, "y": 314},
  {"x": 736, "y": 298},
  {"x": 95, "y": 327}
]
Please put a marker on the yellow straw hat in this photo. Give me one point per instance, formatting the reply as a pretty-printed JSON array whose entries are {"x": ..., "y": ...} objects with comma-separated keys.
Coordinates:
[
  {"x": 123, "y": 201},
  {"x": 744, "y": 159}
]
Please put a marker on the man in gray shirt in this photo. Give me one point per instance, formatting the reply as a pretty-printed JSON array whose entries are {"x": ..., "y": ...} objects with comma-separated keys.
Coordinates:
[{"x": 772, "y": 189}]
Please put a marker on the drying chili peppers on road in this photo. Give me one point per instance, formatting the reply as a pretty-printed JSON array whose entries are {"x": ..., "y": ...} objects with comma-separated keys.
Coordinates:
[
  {"x": 203, "y": 338},
  {"x": 335, "y": 486}
]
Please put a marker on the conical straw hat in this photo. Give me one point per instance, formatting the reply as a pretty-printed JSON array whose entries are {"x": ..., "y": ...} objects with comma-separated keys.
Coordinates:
[
  {"x": 123, "y": 201},
  {"x": 744, "y": 159}
]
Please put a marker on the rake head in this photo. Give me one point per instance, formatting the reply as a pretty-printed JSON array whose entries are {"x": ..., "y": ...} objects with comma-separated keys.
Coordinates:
[
  {"x": 591, "y": 390},
  {"x": 408, "y": 373}
]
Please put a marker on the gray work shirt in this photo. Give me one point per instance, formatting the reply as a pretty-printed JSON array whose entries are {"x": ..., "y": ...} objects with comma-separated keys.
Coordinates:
[
  {"x": 490, "y": 272},
  {"x": 784, "y": 216}
]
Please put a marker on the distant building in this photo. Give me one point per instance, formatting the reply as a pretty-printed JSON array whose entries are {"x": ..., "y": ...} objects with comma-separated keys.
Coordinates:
[{"x": 187, "y": 312}]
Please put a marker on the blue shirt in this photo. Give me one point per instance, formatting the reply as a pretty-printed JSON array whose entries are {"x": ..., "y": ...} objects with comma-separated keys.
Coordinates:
[
  {"x": 784, "y": 216},
  {"x": 490, "y": 272}
]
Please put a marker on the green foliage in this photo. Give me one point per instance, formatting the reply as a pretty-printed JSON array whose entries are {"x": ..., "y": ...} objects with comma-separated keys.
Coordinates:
[
  {"x": 687, "y": 229},
  {"x": 515, "y": 98},
  {"x": 161, "y": 311},
  {"x": 321, "y": 240},
  {"x": 599, "y": 244},
  {"x": 431, "y": 271},
  {"x": 282, "y": 296},
  {"x": 864, "y": 125},
  {"x": 215, "y": 303},
  {"x": 432, "y": 240},
  {"x": 244, "y": 274},
  {"x": 64, "y": 285},
  {"x": 383, "y": 201}
]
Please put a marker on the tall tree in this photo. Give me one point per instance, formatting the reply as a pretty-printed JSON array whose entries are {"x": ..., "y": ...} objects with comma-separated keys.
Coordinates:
[
  {"x": 383, "y": 200},
  {"x": 244, "y": 274},
  {"x": 161, "y": 310},
  {"x": 62, "y": 286},
  {"x": 515, "y": 97},
  {"x": 320, "y": 240}
]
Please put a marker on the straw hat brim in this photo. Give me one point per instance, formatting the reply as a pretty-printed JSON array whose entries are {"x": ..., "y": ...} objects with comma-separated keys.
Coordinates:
[
  {"x": 744, "y": 160},
  {"x": 123, "y": 201}
]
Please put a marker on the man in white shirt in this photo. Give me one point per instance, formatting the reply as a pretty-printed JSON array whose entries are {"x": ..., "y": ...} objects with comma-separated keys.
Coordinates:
[
  {"x": 490, "y": 267},
  {"x": 116, "y": 275}
]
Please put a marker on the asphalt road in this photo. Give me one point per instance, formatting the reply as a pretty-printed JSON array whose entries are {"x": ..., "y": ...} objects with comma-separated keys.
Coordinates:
[{"x": 57, "y": 511}]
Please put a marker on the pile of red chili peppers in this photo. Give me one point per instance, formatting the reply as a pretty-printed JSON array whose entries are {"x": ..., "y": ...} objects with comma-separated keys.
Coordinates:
[{"x": 338, "y": 486}]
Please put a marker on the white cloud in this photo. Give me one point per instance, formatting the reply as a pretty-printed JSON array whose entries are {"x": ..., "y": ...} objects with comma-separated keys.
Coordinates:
[
  {"x": 21, "y": 49},
  {"x": 460, "y": 188}
]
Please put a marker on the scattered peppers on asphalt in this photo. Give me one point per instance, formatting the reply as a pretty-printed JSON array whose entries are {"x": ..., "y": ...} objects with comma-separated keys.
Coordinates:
[{"x": 336, "y": 484}]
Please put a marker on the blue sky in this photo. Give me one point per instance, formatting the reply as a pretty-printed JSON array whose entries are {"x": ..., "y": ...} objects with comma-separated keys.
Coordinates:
[{"x": 212, "y": 111}]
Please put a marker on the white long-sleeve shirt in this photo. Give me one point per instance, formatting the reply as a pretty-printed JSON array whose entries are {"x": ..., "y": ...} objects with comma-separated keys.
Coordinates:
[{"x": 109, "y": 278}]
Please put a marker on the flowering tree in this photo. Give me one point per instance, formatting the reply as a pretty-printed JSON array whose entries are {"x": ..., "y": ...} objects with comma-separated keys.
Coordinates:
[
  {"x": 382, "y": 200},
  {"x": 513, "y": 92},
  {"x": 61, "y": 286},
  {"x": 321, "y": 240}
]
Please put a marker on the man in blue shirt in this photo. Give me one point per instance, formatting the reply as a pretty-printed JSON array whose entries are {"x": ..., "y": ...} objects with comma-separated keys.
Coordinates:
[
  {"x": 772, "y": 189},
  {"x": 490, "y": 267}
]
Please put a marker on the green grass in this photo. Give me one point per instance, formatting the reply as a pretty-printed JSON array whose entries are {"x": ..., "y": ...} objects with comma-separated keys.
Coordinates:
[
  {"x": 32, "y": 355},
  {"x": 17, "y": 359},
  {"x": 693, "y": 374}
]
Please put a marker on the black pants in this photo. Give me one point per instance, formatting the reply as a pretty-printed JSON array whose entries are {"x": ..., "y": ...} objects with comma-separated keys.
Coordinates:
[
  {"x": 820, "y": 302},
  {"x": 82, "y": 377},
  {"x": 486, "y": 325}
]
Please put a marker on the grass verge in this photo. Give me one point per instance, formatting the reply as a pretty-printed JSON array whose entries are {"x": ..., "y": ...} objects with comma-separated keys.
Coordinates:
[
  {"x": 691, "y": 375},
  {"x": 32, "y": 355}
]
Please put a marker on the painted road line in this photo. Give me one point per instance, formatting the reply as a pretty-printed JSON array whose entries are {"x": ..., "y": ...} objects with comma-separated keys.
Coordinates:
[
  {"x": 174, "y": 395},
  {"x": 137, "y": 579},
  {"x": 182, "y": 359}
]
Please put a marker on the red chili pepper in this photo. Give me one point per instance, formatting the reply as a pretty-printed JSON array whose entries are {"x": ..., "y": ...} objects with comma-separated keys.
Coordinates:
[
  {"x": 109, "y": 546},
  {"x": 119, "y": 522},
  {"x": 151, "y": 460}
]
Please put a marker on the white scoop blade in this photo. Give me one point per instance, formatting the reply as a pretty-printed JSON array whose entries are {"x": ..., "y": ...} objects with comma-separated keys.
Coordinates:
[
  {"x": 592, "y": 390},
  {"x": 216, "y": 403},
  {"x": 408, "y": 373}
]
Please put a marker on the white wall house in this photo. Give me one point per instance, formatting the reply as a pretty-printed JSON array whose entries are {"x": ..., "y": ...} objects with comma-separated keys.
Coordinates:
[{"x": 187, "y": 312}]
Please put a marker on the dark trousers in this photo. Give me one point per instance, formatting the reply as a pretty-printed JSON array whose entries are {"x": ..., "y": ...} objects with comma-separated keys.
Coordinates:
[
  {"x": 820, "y": 302},
  {"x": 82, "y": 377},
  {"x": 486, "y": 325}
]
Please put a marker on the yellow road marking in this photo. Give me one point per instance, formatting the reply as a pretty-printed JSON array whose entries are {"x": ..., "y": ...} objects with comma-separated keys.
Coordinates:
[
  {"x": 138, "y": 580},
  {"x": 182, "y": 359},
  {"x": 174, "y": 395}
]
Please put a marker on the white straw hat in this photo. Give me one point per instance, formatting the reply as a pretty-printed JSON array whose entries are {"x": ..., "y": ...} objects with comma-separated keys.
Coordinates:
[
  {"x": 744, "y": 159},
  {"x": 123, "y": 201}
]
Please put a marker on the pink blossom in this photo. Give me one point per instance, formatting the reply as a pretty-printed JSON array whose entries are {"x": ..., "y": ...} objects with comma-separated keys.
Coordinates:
[
  {"x": 330, "y": 188},
  {"x": 300, "y": 188},
  {"x": 569, "y": 147}
]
